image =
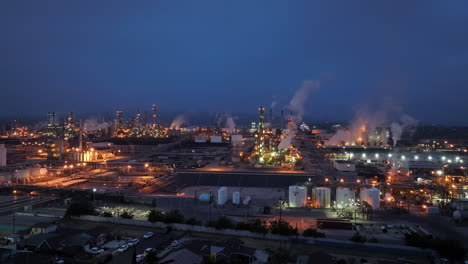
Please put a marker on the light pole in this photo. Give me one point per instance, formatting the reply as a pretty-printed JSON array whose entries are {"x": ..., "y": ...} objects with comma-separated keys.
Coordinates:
[{"x": 94, "y": 194}]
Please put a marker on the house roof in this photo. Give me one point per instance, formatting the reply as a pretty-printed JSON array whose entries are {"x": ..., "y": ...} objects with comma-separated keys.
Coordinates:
[
  {"x": 183, "y": 256},
  {"x": 225, "y": 247}
]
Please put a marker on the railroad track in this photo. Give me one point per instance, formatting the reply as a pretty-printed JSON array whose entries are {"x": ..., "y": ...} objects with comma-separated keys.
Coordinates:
[{"x": 18, "y": 204}]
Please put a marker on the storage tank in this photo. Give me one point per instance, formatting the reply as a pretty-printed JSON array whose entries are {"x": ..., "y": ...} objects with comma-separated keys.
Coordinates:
[
  {"x": 35, "y": 172},
  {"x": 246, "y": 200},
  {"x": 297, "y": 196},
  {"x": 22, "y": 174},
  {"x": 3, "y": 153},
  {"x": 321, "y": 197},
  {"x": 236, "y": 198},
  {"x": 43, "y": 171},
  {"x": 222, "y": 195},
  {"x": 371, "y": 196},
  {"x": 343, "y": 197},
  {"x": 204, "y": 197}
]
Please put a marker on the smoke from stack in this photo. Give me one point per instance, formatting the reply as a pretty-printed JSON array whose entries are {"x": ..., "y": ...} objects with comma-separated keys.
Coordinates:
[
  {"x": 92, "y": 124},
  {"x": 370, "y": 126},
  {"x": 178, "y": 122}
]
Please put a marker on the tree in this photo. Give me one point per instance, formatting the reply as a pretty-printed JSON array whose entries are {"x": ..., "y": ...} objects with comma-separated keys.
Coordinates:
[
  {"x": 280, "y": 256},
  {"x": 155, "y": 216},
  {"x": 80, "y": 208},
  {"x": 282, "y": 227},
  {"x": 222, "y": 223},
  {"x": 126, "y": 215},
  {"x": 192, "y": 221},
  {"x": 173, "y": 216},
  {"x": 312, "y": 232},
  {"x": 152, "y": 257}
]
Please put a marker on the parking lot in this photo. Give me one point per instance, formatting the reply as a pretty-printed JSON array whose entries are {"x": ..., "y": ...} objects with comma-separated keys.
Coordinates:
[{"x": 158, "y": 241}]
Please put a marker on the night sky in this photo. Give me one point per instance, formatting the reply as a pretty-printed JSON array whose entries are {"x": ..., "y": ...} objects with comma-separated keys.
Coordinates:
[{"x": 232, "y": 56}]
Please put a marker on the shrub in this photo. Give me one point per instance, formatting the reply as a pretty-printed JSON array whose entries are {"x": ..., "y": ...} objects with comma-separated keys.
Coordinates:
[
  {"x": 312, "y": 232},
  {"x": 282, "y": 227},
  {"x": 81, "y": 208},
  {"x": 106, "y": 214},
  {"x": 126, "y": 215},
  {"x": 155, "y": 216},
  {"x": 192, "y": 221},
  {"x": 373, "y": 240},
  {"x": 173, "y": 216},
  {"x": 222, "y": 223},
  {"x": 358, "y": 238}
]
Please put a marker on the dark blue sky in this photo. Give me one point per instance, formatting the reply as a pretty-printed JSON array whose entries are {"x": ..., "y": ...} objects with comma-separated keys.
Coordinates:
[{"x": 232, "y": 56}]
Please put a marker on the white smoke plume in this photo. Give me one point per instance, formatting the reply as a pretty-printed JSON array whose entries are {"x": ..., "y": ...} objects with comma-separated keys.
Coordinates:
[
  {"x": 371, "y": 126},
  {"x": 178, "y": 122},
  {"x": 92, "y": 124},
  {"x": 297, "y": 103},
  {"x": 290, "y": 133},
  {"x": 230, "y": 124},
  {"x": 273, "y": 103}
]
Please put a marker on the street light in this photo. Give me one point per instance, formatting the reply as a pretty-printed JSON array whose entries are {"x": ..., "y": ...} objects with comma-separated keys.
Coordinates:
[{"x": 94, "y": 194}]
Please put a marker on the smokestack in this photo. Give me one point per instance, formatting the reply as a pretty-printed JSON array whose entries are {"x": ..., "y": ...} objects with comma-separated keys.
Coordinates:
[
  {"x": 271, "y": 115},
  {"x": 282, "y": 118},
  {"x": 80, "y": 147},
  {"x": 154, "y": 115}
]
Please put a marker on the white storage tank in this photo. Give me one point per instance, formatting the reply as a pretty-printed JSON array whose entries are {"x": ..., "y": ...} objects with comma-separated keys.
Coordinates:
[
  {"x": 204, "y": 197},
  {"x": 222, "y": 195},
  {"x": 236, "y": 198},
  {"x": 22, "y": 174},
  {"x": 43, "y": 171},
  {"x": 246, "y": 200},
  {"x": 35, "y": 172},
  {"x": 297, "y": 196},
  {"x": 321, "y": 197},
  {"x": 371, "y": 196},
  {"x": 344, "y": 196}
]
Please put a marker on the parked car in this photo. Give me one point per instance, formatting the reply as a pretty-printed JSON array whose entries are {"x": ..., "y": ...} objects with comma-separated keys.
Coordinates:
[
  {"x": 148, "y": 250},
  {"x": 140, "y": 257},
  {"x": 96, "y": 250},
  {"x": 133, "y": 242},
  {"x": 176, "y": 243},
  {"x": 148, "y": 235},
  {"x": 123, "y": 248}
]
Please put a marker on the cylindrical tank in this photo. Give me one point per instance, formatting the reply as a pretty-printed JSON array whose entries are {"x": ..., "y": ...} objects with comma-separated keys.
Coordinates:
[
  {"x": 22, "y": 174},
  {"x": 35, "y": 172},
  {"x": 297, "y": 196},
  {"x": 43, "y": 171},
  {"x": 321, "y": 197},
  {"x": 371, "y": 196},
  {"x": 246, "y": 200},
  {"x": 204, "y": 197},
  {"x": 236, "y": 198},
  {"x": 222, "y": 195},
  {"x": 344, "y": 196}
]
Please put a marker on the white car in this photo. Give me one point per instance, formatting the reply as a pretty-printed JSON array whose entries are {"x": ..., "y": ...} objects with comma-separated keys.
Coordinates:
[
  {"x": 176, "y": 243},
  {"x": 122, "y": 248},
  {"x": 148, "y": 250},
  {"x": 133, "y": 242},
  {"x": 96, "y": 250},
  {"x": 148, "y": 235},
  {"x": 140, "y": 257}
]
